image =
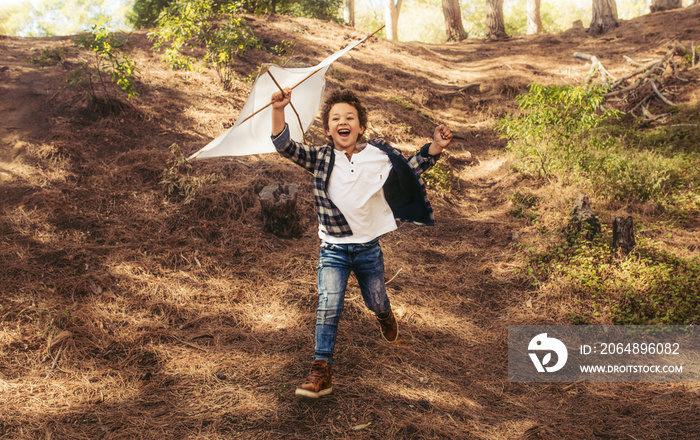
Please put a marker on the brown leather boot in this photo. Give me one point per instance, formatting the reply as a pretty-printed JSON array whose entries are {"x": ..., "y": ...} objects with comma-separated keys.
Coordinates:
[
  {"x": 319, "y": 381},
  {"x": 389, "y": 327}
]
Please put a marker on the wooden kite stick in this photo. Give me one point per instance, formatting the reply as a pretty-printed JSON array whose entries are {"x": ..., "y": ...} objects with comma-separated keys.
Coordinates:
[
  {"x": 304, "y": 79},
  {"x": 290, "y": 103},
  {"x": 270, "y": 103}
]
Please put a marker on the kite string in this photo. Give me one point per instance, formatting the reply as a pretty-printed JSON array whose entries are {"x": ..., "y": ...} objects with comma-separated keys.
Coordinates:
[{"x": 303, "y": 135}]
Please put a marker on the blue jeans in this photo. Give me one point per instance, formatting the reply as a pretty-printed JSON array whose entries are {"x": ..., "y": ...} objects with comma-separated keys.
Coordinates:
[{"x": 335, "y": 263}]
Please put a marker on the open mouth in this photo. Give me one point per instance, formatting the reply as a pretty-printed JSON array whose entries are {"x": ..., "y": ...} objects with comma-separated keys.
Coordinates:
[{"x": 344, "y": 132}]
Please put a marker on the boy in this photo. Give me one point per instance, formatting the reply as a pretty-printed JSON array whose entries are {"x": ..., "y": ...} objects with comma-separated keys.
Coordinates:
[{"x": 359, "y": 190}]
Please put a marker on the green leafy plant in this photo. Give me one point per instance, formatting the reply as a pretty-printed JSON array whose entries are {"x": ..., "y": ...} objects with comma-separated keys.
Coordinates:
[
  {"x": 186, "y": 25},
  {"x": 550, "y": 125},
  {"x": 285, "y": 48},
  {"x": 650, "y": 286},
  {"x": 110, "y": 74},
  {"x": 522, "y": 204},
  {"x": 562, "y": 133},
  {"x": 225, "y": 43},
  {"x": 180, "y": 24},
  {"x": 561, "y": 110},
  {"x": 692, "y": 56},
  {"x": 440, "y": 177},
  {"x": 49, "y": 57},
  {"x": 670, "y": 295},
  {"x": 402, "y": 103},
  {"x": 252, "y": 76},
  {"x": 178, "y": 182}
]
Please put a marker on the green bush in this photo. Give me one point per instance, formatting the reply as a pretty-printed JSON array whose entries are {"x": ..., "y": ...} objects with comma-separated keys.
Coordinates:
[
  {"x": 439, "y": 177},
  {"x": 555, "y": 111},
  {"x": 226, "y": 42},
  {"x": 561, "y": 133},
  {"x": 650, "y": 286},
  {"x": 180, "y": 25},
  {"x": 320, "y": 9},
  {"x": 547, "y": 133},
  {"x": 110, "y": 74},
  {"x": 144, "y": 13},
  {"x": 49, "y": 57},
  {"x": 522, "y": 206},
  {"x": 185, "y": 25},
  {"x": 177, "y": 181}
]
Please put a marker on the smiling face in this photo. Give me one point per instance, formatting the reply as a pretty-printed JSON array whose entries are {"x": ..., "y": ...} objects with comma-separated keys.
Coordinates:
[{"x": 344, "y": 126}]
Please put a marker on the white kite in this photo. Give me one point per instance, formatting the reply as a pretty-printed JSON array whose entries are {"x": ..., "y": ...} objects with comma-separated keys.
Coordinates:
[{"x": 251, "y": 132}]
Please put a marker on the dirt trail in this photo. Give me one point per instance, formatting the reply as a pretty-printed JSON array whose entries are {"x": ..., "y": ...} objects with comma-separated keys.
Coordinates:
[
  {"x": 24, "y": 91},
  {"x": 128, "y": 314}
]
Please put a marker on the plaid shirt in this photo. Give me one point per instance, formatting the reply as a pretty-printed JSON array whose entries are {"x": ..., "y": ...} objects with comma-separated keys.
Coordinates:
[{"x": 404, "y": 190}]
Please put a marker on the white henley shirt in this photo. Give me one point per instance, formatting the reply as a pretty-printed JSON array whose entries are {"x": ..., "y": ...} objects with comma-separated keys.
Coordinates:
[{"x": 355, "y": 187}]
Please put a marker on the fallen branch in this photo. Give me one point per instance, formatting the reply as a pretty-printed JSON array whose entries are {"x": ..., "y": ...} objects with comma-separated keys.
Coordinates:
[
  {"x": 650, "y": 117},
  {"x": 641, "y": 85},
  {"x": 642, "y": 103},
  {"x": 661, "y": 97},
  {"x": 631, "y": 61},
  {"x": 675, "y": 72},
  {"x": 596, "y": 66},
  {"x": 646, "y": 69}
]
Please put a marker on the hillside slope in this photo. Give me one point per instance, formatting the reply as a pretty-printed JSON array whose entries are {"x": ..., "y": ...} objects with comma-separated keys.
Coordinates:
[{"x": 129, "y": 314}]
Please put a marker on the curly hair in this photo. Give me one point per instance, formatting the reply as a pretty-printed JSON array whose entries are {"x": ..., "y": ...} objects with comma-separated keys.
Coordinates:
[{"x": 347, "y": 97}]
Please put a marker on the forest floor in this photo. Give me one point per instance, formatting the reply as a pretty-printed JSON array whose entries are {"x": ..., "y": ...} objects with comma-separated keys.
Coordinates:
[{"x": 125, "y": 313}]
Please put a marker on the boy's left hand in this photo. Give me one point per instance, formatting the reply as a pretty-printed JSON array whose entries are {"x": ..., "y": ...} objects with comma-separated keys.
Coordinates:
[{"x": 441, "y": 139}]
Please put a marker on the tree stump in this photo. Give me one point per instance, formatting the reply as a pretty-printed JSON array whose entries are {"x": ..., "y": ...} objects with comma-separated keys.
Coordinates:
[
  {"x": 278, "y": 205},
  {"x": 583, "y": 221},
  {"x": 623, "y": 234}
]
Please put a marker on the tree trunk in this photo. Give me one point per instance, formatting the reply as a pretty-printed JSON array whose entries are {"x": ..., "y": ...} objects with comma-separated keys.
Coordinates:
[
  {"x": 534, "y": 20},
  {"x": 623, "y": 234},
  {"x": 495, "y": 26},
  {"x": 391, "y": 19},
  {"x": 350, "y": 12},
  {"x": 583, "y": 222},
  {"x": 604, "y": 17},
  {"x": 665, "y": 5},
  {"x": 453, "y": 21},
  {"x": 278, "y": 208}
]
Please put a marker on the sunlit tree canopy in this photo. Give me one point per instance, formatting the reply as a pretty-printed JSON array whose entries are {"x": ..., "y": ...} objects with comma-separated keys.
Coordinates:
[
  {"x": 60, "y": 17},
  {"x": 419, "y": 20}
]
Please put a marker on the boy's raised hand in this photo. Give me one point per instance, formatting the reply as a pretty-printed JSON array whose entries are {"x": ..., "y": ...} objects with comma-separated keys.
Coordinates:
[
  {"x": 441, "y": 139},
  {"x": 280, "y": 100}
]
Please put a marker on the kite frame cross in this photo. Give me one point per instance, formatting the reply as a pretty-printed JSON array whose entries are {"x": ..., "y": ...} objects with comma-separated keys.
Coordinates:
[
  {"x": 301, "y": 81},
  {"x": 301, "y": 125}
]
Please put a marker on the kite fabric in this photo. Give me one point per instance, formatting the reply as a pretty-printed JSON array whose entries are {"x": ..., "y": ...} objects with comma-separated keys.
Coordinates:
[{"x": 252, "y": 136}]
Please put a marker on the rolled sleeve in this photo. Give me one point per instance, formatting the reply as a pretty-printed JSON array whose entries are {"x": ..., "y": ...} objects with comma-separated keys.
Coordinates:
[
  {"x": 423, "y": 160},
  {"x": 281, "y": 140},
  {"x": 302, "y": 155}
]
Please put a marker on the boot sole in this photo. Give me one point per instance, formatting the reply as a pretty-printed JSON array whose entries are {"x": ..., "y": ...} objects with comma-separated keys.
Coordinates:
[
  {"x": 393, "y": 340},
  {"x": 310, "y": 394}
]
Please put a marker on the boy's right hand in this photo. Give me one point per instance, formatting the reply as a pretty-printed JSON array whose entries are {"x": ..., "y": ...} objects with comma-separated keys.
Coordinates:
[{"x": 280, "y": 100}]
